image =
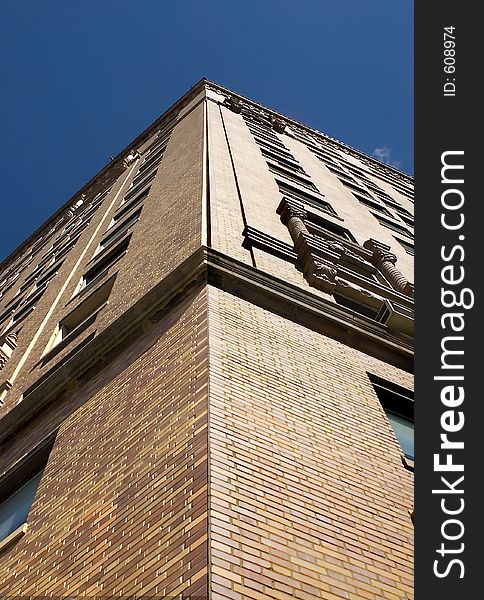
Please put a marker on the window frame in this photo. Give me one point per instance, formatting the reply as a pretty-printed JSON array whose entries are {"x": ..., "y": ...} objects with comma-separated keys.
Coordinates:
[
  {"x": 20, "y": 475},
  {"x": 78, "y": 320},
  {"x": 399, "y": 401}
]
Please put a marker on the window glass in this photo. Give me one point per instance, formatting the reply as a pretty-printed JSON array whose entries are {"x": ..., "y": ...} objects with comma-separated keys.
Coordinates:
[
  {"x": 398, "y": 405},
  {"x": 15, "y": 509},
  {"x": 403, "y": 429}
]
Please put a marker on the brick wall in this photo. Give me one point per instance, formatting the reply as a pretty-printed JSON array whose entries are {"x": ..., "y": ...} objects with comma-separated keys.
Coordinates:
[
  {"x": 122, "y": 506},
  {"x": 308, "y": 494}
]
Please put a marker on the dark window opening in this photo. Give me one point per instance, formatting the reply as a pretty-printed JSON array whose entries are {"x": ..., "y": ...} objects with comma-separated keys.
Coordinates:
[
  {"x": 391, "y": 225},
  {"x": 102, "y": 266},
  {"x": 398, "y": 403},
  {"x": 367, "y": 311},
  {"x": 318, "y": 226},
  {"x": 409, "y": 249},
  {"x": 19, "y": 487},
  {"x": 277, "y": 170}
]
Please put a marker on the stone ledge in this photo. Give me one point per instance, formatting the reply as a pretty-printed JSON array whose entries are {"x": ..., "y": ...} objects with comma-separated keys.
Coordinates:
[
  {"x": 13, "y": 537},
  {"x": 208, "y": 266}
]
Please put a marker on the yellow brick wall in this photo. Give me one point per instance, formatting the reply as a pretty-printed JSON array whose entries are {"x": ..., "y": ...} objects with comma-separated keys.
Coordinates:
[
  {"x": 122, "y": 505},
  {"x": 308, "y": 494}
]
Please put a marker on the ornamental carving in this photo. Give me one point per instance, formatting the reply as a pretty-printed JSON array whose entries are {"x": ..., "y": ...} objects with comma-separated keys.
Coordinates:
[
  {"x": 318, "y": 271},
  {"x": 354, "y": 291},
  {"x": 385, "y": 261},
  {"x": 7, "y": 346},
  {"x": 336, "y": 266},
  {"x": 278, "y": 125},
  {"x": 322, "y": 276},
  {"x": 132, "y": 156},
  {"x": 234, "y": 104}
]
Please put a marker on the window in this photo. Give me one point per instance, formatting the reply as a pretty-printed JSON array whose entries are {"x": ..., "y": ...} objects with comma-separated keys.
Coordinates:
[
  {"x": 259, "y": 126},
  {"x": 337, "y": 170},
  {"x": 38, "y": 245},
  {"x": 285, "y": 162},
  {"x": 375, "y": 188},
  {"x": 409, "y": 249},
  {"x": 388, "y": 200},
  {"x": 141, "y": 180},
  {"x": 395, "y": 180},
  {"x": 78, "y": 320},
  {"x": 119, "y": 231},
  {"x": 255, "y": 119},
  {"x": 42, "y": 283},
  {"x": 392, "y": 225},
  {"x": 134, "y": 190},
  {"x": 306, "y": 198},
  {"x": 158, "y": 147},
  {"x": 162, "y": 138},
  {"x": 367, "y": 311},
  {"x": 146, "y": 173},
  {"x": 327, "y": 152},
  {"x": 320, "y": 226},
  {"x": 15, "y": 509},
  {"x": 404, "y": 211},
  {"x": 75, "y": 227},
  {"x": 350, "y": 183},
  {"x": 273, "y": 146},
  {"x": 270, "y": 139},
  {"x": 301, "y": 137},
  {"x": 358, "y": 172},
  {"x": 370, "y": 203},
  {"x": 327, "y": 159},
  {"x": 277, "y": 152},
  {"x": 26, "y": 308},
  {"x": 88, "y": 212},
  {"x": 61, "y": 252},
  {"x": 102, "y": 266},
  {"x": 278, "y": 170},
  {"x": 19, "y": 487},
  {"x": 398, "y": 404},
  {"x": 408, "y": 220},
  {"x": 12, "y": 304},
  {"x": 8, "y": 283},
  {"x": 100, "y": 197},
  {"x": 115, "y": 235},
  {"x": 126, "y": 206},
  {"x": 150, "y": 161}
]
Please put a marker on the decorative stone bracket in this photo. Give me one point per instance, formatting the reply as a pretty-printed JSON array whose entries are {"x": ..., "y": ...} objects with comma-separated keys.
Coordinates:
[
  {"x": 385, "y": 261},
  {"x": 7, "y": 346},
  {"x": 319, "y": 271},
  {"x": 322, "y": 260},
  {"x": 278, "y": 125},
  {"x": 132, "y": 156},
  {"x": 234, "y": 104}
]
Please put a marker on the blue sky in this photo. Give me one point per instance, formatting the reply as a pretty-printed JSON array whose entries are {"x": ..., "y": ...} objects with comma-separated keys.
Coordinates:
[{"x": 82, "y": 79}]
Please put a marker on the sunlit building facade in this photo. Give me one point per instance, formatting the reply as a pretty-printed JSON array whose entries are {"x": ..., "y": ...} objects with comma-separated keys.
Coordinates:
[{"x": 206, "y": 370}]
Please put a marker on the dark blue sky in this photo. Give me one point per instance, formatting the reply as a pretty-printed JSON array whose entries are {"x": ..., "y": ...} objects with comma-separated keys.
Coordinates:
[{"x": 82, "y": 79}]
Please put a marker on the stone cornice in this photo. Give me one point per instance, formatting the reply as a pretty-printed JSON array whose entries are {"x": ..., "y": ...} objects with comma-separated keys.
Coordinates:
[
  {"x": 209, "y": 266},
  {"x": 276, "y": 116}
]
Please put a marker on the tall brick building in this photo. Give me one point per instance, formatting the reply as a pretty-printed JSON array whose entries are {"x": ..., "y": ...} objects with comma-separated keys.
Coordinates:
[{"x": 206, "y": 361}]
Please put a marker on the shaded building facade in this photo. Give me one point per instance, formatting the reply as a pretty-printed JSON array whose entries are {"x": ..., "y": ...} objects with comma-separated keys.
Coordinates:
[{"x": 206, "y": 370}]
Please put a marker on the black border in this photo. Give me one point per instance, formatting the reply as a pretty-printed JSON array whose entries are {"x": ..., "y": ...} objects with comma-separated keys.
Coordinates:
[{"x": 443, "y": 124}]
